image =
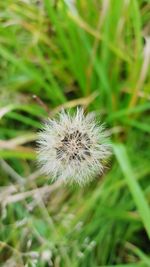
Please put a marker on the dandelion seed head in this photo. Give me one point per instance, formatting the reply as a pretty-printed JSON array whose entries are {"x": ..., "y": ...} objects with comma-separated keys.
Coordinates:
[{"x": 73, "y": 148}]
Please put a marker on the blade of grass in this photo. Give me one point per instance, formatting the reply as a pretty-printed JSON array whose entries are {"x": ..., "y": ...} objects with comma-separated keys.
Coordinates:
[
  {"x": 31, "y": 109},
  {"x": 96, "y": 34},
  {"x": 125, "y": 112},
  {"x": 142, "y": 256},
  {"x": 133, "y": 185},
  {"x": 33, "y": 73},
  {"x": 24, "y": 119},
  {"x": 139, "y": 125},
  {"x": 8, "y": 154}
]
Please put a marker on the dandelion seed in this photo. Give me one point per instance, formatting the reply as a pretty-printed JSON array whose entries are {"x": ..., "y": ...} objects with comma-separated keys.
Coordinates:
[{"x": 73, "y": 148}]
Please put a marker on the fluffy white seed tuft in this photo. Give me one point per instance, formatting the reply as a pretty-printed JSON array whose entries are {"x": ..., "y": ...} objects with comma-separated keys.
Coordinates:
[{"x": 73, "y": 148}]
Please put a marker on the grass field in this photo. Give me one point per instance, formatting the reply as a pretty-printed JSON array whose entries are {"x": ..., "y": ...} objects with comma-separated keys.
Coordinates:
[{"x": 56, "y": 54}]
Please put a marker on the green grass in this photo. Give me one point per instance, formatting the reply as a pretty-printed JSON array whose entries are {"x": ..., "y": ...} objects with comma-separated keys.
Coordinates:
[{"x": 90, "y": 54}]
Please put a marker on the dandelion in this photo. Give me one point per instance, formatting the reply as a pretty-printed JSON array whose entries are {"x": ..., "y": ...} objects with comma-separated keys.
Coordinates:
[{"x": 73, "y": 148}]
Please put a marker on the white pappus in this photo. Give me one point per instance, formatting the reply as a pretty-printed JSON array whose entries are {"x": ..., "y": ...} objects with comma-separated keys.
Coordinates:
[{"x": 73, "y": 148}]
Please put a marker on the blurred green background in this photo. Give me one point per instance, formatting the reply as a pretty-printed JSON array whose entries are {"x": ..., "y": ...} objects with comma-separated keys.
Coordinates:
[{"x": 54, "y": 54}]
